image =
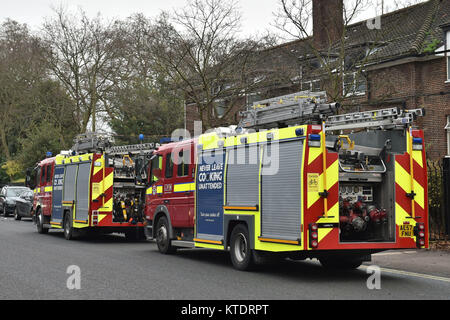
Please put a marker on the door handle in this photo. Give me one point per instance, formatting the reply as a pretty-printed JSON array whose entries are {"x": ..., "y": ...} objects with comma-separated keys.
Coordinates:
[{"x": 166, "y": 201}]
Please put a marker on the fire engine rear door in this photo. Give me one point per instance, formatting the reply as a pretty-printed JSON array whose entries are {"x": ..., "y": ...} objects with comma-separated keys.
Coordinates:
[
  {"x": 82, "y": 194},
  {"x": 281, "y": 190}
]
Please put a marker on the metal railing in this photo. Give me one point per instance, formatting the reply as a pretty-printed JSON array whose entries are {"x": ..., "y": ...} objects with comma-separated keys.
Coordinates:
[{"x": 437, "y": 201}]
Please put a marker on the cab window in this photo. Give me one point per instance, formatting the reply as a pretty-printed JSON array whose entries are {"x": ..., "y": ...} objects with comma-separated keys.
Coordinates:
[
  {"x": 169, "y": 166},
  {"x": 43, "y": 171},
  {"x": 38, "y": 176},
  {"x": 183, "y": 163},
  {"x": 155, "y": 164},
  {"x": 49, "y": 173}
]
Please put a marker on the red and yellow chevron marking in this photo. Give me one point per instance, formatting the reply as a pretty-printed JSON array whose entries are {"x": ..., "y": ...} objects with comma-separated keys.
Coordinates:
[
  {"x": 321, "y": 173},
  {"x": 406, "y": 180},
  {"x": 411, "y": 176},
  {"x": 102, "y": 190}
]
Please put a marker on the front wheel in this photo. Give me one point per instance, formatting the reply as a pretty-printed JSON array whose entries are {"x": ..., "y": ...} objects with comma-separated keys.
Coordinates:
[
  {"x": 16, "y": 215},
  {"x": 40, "y": 223},
  {"x": 240, "y": 250},
  {"x": 162, "y": 237},
  {"x": 5, "y": 214}
]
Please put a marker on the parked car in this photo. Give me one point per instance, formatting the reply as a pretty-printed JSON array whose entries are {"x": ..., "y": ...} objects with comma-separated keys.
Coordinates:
[
  {"x": 24, "y": 204},
  {"x": 8, "y": 198}
]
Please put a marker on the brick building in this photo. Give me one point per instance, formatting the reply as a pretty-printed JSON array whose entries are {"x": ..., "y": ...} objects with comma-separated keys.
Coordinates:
[{"x": 398, "y": 59}]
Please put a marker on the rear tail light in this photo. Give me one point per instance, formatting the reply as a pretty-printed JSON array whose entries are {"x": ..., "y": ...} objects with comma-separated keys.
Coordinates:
[
  {"x": 313, "y": 235},
  {"x": 94, "y": 218},
  {"x": 419, "y": 232}
]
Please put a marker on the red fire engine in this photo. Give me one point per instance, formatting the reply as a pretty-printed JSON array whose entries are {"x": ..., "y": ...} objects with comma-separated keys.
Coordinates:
[
  {"x": 92, "y": 188},
  {"x": 303, "y": 191}
]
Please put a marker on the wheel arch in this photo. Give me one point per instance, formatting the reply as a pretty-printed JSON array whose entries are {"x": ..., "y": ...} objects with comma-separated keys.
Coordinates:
[
  {"x": 231, "y": 221},
  {"x": 162, "y": 211}
]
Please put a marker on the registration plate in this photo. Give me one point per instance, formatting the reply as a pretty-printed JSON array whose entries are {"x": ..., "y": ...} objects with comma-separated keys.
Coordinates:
[{"x": 406, "y": 231}]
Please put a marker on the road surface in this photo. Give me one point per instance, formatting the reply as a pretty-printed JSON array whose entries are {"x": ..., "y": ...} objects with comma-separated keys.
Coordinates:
[{"x": 34, "y": 266}]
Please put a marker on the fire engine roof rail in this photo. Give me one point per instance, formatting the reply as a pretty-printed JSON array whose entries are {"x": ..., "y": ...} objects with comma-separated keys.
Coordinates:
[
  {"x": 131, "y": 149},
  {"x": 91, "y": 142},
  {"x": 98, "y": 142},
  {"x": 389, "y": 118},
  {"x": 297, "y": 108}
]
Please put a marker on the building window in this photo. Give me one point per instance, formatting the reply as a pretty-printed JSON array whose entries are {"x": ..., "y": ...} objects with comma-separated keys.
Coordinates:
[
  {"x": 354, "y": 84},
  {"x": 447, "y": 129},
  {"x": 447, "y": 55},
  {"x": 313, "y": 85}
]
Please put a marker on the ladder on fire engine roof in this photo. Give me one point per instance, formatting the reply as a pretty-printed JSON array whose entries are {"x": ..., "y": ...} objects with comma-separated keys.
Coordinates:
[
  {"x": 97, "y": 142},
  {"x": 307, "y": 107}
]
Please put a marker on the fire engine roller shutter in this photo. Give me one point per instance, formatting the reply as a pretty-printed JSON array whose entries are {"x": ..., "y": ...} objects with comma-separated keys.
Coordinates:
[
  {"x": 69, "y": 182},
  {"x": 281, "y": 192},
  {"x": 82, "y": 208},
  {"x": 242, "y": 177}
]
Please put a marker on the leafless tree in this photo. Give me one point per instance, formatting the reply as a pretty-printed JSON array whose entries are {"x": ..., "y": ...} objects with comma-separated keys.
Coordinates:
[
  {"x": 81, "y": 54},
  {"x": 332, "y": 62},
  {"x": 200, "y": 50}
]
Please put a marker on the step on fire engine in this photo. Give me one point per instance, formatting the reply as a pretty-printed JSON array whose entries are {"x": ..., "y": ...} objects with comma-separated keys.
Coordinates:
[
  {"x": 294, "y": 180},
  {"x": 92, "y": 188}
]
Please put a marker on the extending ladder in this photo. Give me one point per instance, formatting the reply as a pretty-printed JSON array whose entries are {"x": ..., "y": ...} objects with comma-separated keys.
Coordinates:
[{"x": 311, "y": 107}]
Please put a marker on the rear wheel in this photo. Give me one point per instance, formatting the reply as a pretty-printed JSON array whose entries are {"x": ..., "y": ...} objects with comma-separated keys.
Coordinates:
[
  {"x": 68, "y": 227},
  {"x": 16, "y": 214},
  {"x": 162, "y": 237},
  {"x": 40, "y": 223},
  {"x": 240, "y": 250}
]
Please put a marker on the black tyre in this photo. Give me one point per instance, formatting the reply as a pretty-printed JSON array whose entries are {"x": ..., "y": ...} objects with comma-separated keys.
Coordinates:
[
  {"x": 340, "y": 263},
  {"x": 5, "y": 213},
  {"x": 162, "y": 237},
  {"x": 40, "y": 223},
  {"x": 240, "y": 250},
  {"x": 16, "y": 215},
  {"x": 69, "y": 232}
]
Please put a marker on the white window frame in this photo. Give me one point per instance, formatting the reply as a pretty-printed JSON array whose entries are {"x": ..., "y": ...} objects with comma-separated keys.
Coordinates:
[
  {"x": 311, "y": 84},
  {"x": 354, "y": 85},
  {"x": 447, "y": 55},
  {"x": 447, "y": 128}
]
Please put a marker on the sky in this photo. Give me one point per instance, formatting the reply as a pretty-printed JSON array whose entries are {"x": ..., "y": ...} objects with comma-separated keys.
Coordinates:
[{"x": 257, "y": 14}]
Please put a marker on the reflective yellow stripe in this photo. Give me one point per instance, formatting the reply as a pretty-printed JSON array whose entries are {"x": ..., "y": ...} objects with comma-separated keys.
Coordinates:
[
  {"x": 184, "y": 187},
  {"x": 278, "y": 240},
  {"x": 48, "y": 189},
  {"x": 241, "y": 208},
  {"x": 208, "y": 241}
]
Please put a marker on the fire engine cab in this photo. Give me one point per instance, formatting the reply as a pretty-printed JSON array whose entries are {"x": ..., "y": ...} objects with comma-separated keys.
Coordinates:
[
  {"x": 91, "y": 188},
  {"x": 296, "y": 180}
]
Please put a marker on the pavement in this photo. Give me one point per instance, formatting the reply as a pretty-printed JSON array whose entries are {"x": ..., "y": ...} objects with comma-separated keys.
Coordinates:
[{"x": 35, "y": 266}]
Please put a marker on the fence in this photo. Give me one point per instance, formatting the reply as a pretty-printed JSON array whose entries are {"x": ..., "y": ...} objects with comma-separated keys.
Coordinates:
[{"x": 438, "y": 184}]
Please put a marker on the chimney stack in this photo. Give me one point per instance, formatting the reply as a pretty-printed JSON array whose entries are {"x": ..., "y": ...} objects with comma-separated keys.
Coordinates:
[{"x": 328, "y": 22}]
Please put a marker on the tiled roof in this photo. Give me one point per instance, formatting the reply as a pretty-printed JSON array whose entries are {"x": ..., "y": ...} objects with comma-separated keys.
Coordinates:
[{"x": 406, "y": 32}]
